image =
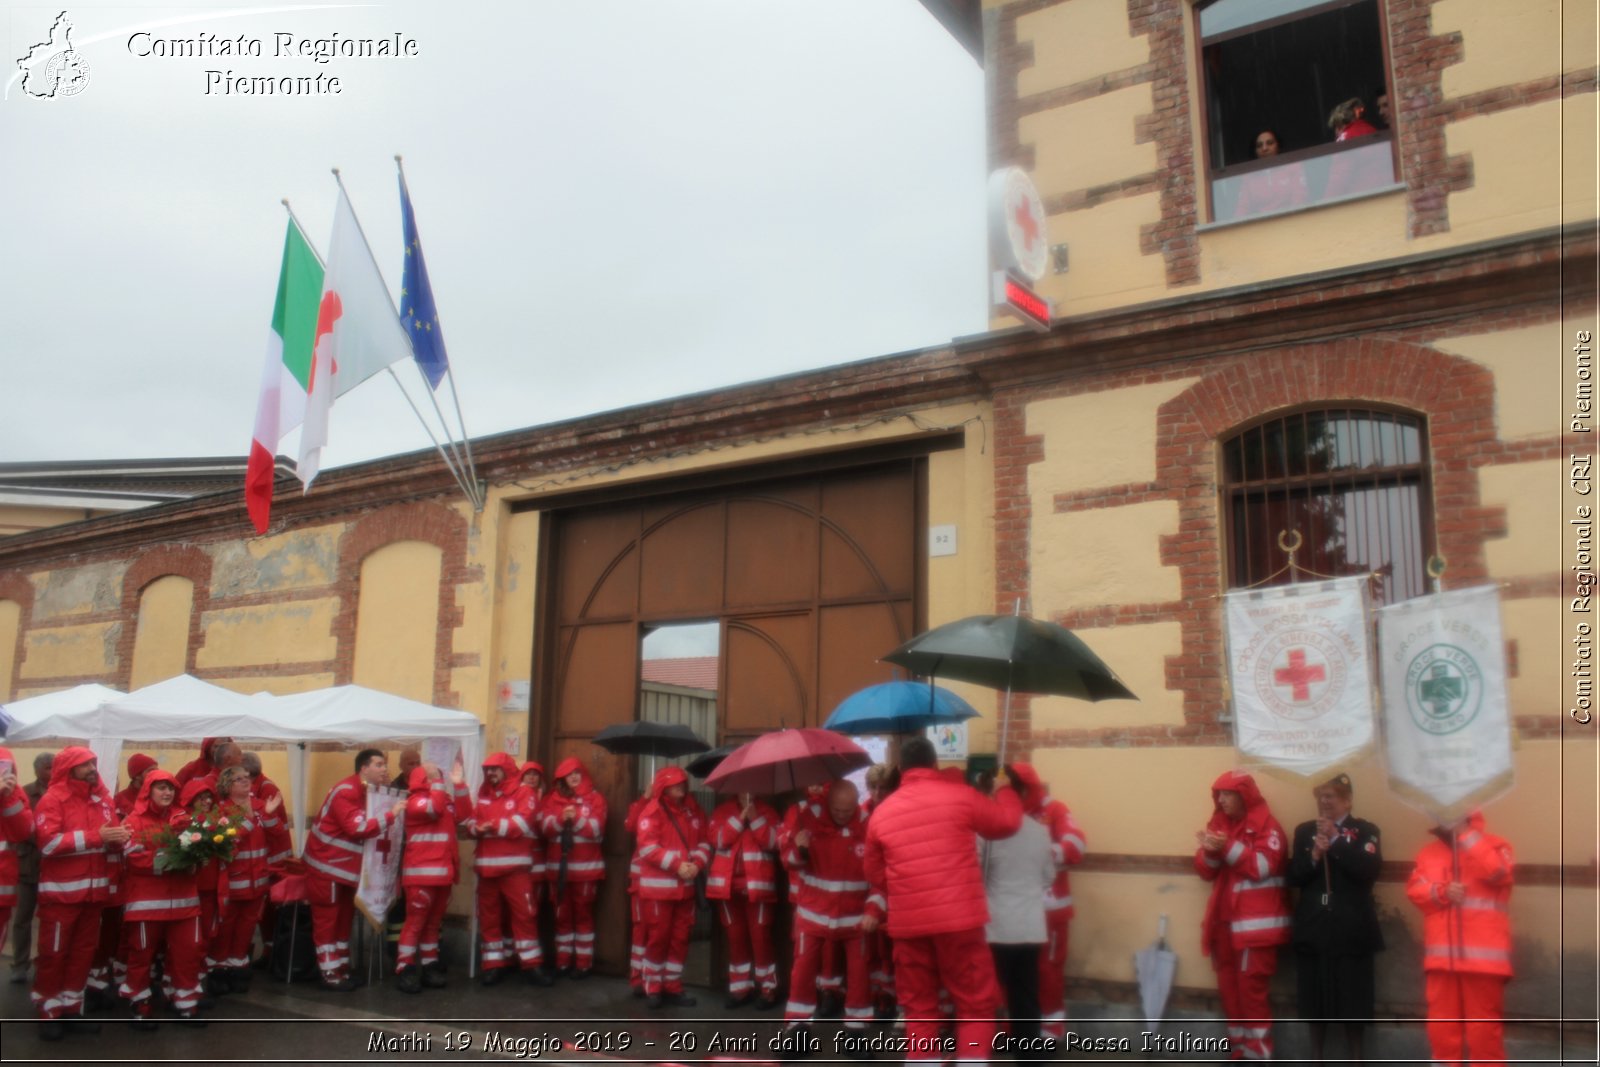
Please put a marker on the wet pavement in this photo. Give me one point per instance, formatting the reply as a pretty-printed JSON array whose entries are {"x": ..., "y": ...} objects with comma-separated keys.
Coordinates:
[{"x": 598, "y": 1021}]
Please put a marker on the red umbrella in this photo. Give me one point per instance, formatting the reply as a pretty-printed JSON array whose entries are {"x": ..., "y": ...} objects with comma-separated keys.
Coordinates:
[{"x": 786, "y": 760}]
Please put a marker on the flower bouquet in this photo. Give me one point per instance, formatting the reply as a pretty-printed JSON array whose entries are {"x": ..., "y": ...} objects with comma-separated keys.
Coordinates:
[{"x": 213, "y": 837}]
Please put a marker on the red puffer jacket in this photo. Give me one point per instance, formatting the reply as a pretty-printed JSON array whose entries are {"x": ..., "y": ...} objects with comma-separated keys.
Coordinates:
[
  {"x": 1481, "y": 943},
  {"x": 671, "y": 833},
  {"x": 1248, "y": 893},
  {"x": 532, "y": 798},
  {"x": 922, "y": 855},
  {"x": 1067, "y": 844},
  {"x": 831, "y": 872},
  {"x": 75, "y": 865},
  {"x": 431, "y": 856},
  {"x": 146, "y": 895},
  {"x": 586, "y": 862},
  {"x": 261, "y": 837},
  {"x": 502, "y": 822},
  {"x": 744, "y": 860},
  {"x": 16, "y": 828}
]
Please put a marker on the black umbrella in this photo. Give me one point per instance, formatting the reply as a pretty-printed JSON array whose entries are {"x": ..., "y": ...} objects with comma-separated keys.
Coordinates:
[
  {"x": 1014, "y": 653},
  {"x": 643, "y": 738},
  {"x": 703, "y": 764}
]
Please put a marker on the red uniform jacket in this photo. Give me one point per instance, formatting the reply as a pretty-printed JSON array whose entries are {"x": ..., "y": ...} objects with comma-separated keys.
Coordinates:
[
  {"x": 201, "y": 767},
  {"x": 16, "y": 828},
  {"x": 831, "y": 870},
  {"x": 208, "y": 877},
  {"x": 1481, "y": 943},
  {"x": 811, "y": 804},
  {"x": 146, "y": 895},
  {"x": 502, "y": 822},
  {"x": 671, "y": 833},
  {"x": 922, "y": 855},
  {"x": 531, "y": 800},
  {"x": 75, "y": 865},
  {"x": 1067, "y": 842},
  {"x": 630, "y": 823},
  {"x": 261, "y": 837},
  {"x": 586, "y": 863},
  {"x": 334, "y": 847},
  {"x": 431, "y": 856},
  {"x": 1248, "y": 894},
  {"x": 744, "y": 860}
]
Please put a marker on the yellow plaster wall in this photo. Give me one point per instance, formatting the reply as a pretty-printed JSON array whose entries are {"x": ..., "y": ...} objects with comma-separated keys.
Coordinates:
[
  {"x": 1138, "y": 656},
  {"x": 1323, "y": 238},
  {"x": 15, "y": 519},
  {"x": 1105, "y": 556},
  {"x": 1105, "y": 266},
  {"x": 1518, "y": 188},
  {"x": 1527, "y": 374},
  {"x": 474, "y": 682},
  {"x": 517, "y": 578},
  {"x": 1095, "y": 440},
  {"x": 1060, "y": 162},
  {"x": 10, "y": 622},
  {"x": 1580, "y": 198},
  {"x": 1503, "y": 44},
  {"x": 161, "y": 638},
  {"x": 299, "y": 631},
  {"x": 1075, "y": 42},
  {"x": 398, "y": 620},
  {"x": 67, "y": 591},
  {"x": 1541, "y": 662},
  {"x": 284, "y": 562},
  {"x": 1530, "y": 493},
  {"x": 88, "y": 650}
]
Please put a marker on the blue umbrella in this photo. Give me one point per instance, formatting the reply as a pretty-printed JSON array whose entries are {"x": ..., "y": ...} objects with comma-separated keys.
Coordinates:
[{"x": 898, "y": 708}]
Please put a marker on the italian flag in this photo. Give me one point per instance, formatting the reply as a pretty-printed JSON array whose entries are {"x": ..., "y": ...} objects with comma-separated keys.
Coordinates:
[{"x": 286, "y": 378}]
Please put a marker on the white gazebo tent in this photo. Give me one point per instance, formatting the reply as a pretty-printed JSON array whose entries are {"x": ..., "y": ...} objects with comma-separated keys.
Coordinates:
[{"x": 184, "y": 709}]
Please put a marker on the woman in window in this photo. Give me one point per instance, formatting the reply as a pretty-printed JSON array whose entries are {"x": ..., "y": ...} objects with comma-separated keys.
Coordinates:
[{"x": 1273, "y": 189}]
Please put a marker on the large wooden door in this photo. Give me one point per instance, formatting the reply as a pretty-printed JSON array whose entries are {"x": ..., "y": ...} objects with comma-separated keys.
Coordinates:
[{"x": 811, "y": 579}]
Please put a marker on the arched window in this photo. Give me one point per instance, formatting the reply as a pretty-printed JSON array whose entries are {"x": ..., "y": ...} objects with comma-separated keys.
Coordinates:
[{"x": 1353, "y": 483}]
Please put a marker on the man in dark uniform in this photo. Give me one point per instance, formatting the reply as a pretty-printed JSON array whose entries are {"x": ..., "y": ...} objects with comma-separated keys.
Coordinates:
[
  {"x": 1334, "y": 863},
  {"x": 28, "y": 876}
]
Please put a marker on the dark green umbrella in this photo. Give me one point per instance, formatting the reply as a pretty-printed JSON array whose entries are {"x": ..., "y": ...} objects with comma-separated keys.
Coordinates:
[{"x": 1013, "y": 653}]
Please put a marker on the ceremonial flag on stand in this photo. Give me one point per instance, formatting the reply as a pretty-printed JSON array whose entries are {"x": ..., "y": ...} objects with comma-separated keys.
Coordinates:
[
  {"x": 357, "y": 333},
  {"x": 1301, "y": 673},
  {"x": 1447, "y": 725},
  {"x": 418, "y": 314},
  {"x": 380, "y": 860},
  {"x": 287, "y": 375}
]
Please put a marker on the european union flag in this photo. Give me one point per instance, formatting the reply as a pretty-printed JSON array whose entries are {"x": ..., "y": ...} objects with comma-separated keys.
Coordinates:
[{"x": 417, "y": 313}]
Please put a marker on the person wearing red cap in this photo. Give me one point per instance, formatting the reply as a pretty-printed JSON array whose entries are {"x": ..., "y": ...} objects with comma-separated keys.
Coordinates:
[
  {"x": 826, "y": 854},
  {"x": 16, "y": 826},
  {"x": 333, "y": 853},
  {"x": 502, "y": 822},
  {"x": 1067, "y": 847},
  {"x": 139, "y": 765},
  {"x": 80, "y": 859},
  {"x": 1462, "y": 886},
  {"x": 161, "y": 908},
  {"x": 572, "y": 818},
  {"x": 673, "y": 850},
  {"x": 1243, "y": 852},
  {"x": 429, "y": 866}
]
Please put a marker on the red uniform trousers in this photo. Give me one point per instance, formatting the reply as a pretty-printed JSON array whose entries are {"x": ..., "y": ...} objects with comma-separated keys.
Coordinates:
[
  {"x": 419, "y": 937},
  {"x": 68, "y": 934},
  {"x": 1478, "y": 998},
  {"x": 1243, "y": 976},
  {"x": 211, "y": 916},
  {"x": 179, "y": 940},
  {"x": 110, "y": 957},
  {"x": 5, "y": 926},
  {"x": 747, "y": 926},
  {"x": 810, "y": 951},
  {"x": 882, "y": 956},
  {"x": 1053, "y": 978},
  {"x": 639, "y": 934},
  {"x": 333, "y": 907},
  {"x": 960, "y": 962},
  {"x": 230, "y": 944},
  {"x": 667, "y": 924},
  {"x": 503, "y": 897},
  {"x": 575, "y": 925}
]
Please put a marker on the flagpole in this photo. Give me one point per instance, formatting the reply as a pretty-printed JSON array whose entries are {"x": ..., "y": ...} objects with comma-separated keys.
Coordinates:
[
  {"x": 322, "y": 263},
  {"x": 449, "y": 369},
  {"x": 469, "y": 490}
]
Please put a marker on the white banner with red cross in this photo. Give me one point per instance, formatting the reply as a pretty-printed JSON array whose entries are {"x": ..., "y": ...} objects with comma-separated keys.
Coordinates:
[
  {"x": 380, "y": 862},
  {"x": 1447, "y": 725},
  {"x": 1301, "y": 673}
]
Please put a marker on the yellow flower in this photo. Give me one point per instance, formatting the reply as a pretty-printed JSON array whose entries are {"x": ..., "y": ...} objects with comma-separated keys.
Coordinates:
[
  {"x": 217, "y": 838},
  {"x": 232, "y": 832}
]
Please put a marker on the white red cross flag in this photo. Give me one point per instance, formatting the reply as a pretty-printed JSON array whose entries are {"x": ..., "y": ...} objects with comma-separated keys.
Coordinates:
[
  {"x": 1447, "y": 725},
  {"x": 1301, "y": 674},
  {"x": 380, "y": 862}
]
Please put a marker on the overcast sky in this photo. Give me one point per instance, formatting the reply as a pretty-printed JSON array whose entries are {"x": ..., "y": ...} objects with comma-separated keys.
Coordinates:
[{"x": 619, "y": 202}]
